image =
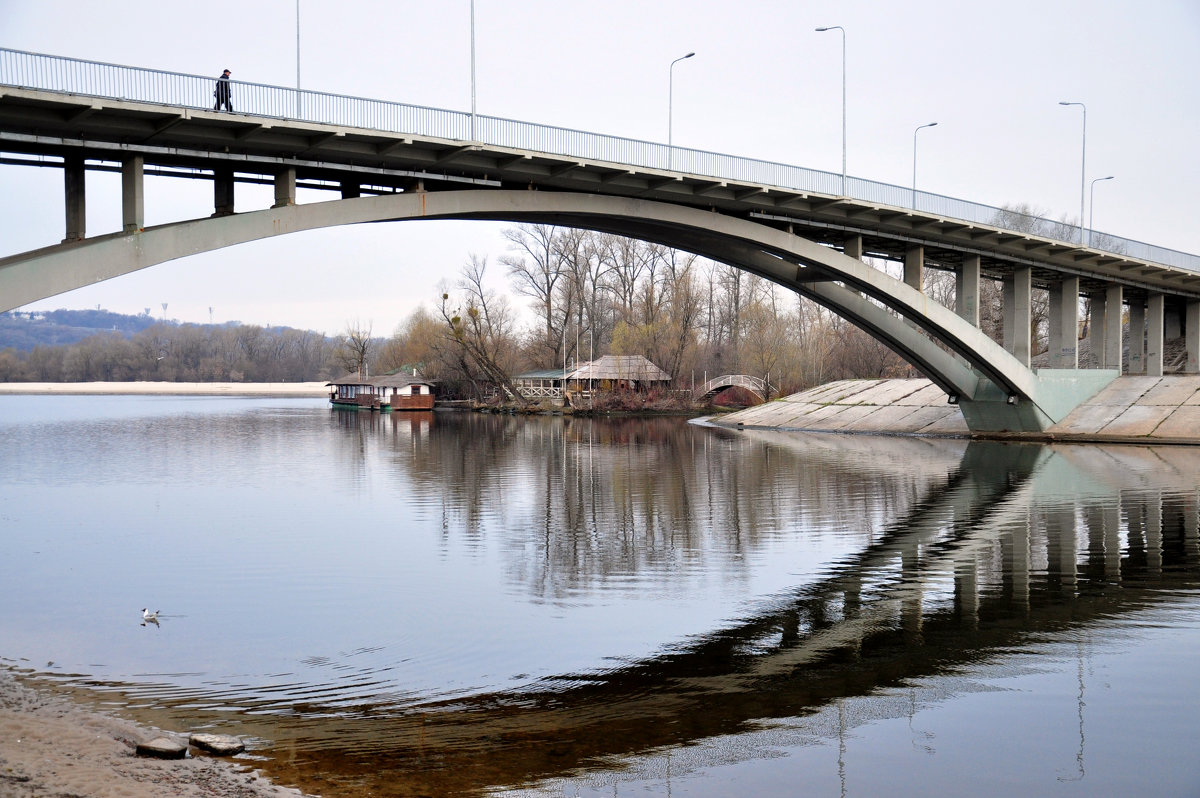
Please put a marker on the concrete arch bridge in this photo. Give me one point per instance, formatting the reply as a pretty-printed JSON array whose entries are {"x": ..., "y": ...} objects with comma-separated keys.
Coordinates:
[{"x": 804, "y": 229}]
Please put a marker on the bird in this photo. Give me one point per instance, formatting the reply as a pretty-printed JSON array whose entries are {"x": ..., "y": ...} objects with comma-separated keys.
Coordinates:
[{"x": 149, "y": 616}]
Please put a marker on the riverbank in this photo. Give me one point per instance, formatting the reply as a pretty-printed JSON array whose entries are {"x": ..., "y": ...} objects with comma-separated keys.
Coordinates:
[
  {"x": 50, "y": 746},
  {"x": 1145, "y": 410},
  {"x": 171, "y": 388}
]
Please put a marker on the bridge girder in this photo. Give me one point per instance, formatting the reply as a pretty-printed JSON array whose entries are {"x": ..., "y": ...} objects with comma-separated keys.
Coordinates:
[{"x": 887, "y": 308}]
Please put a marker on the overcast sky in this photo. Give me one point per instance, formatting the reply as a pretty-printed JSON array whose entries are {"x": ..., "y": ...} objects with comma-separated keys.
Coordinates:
[{"x": 763, "y": 84}]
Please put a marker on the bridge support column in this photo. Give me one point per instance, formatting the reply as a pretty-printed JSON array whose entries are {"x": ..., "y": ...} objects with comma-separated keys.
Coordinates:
[
  {"x": 1113, "y": 305},
  {"x": 1137, "y": 338},
  {"x": 75, "y": 198},
  {"x": 911, "y": 619},
  {"x": 1014, "y": 548},
  {"x": 966, "y": 593},
  {"x": 1191, "y": 335},
  {"x": 133, "y": 194},
  {"x": 914, "y": 265},
  {"x": 1018, "y": 301},
  {"x": 1154, "y": 335},
  {"x": 1154, "y": 535},
  {"x": 285, "y": 187},
  {"x": 222, "y": 191},
  {"x": 1172, "y": 323},
  {"x": 852, "y": 247},
  {"x": 966, "y": 290},
  {"x": 351, "y": 190},
  {"x": 1061, "y": 571},
  {"x": 1064, "y": 323}
]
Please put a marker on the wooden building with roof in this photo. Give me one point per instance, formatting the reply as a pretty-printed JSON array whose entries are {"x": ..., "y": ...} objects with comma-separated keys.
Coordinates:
[
  {"x": 396, "y": 391},
  {"x": 618, "y": 373}
]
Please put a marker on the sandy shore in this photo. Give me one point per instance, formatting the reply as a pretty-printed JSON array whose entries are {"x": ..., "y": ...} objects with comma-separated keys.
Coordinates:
[
  {"x": 201, "y": 388},
  {"x": 49, "y": 746}
]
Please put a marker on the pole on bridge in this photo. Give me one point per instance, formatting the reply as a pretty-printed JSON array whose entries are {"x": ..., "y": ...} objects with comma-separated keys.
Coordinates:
[{"x": 1082, "y": 168}]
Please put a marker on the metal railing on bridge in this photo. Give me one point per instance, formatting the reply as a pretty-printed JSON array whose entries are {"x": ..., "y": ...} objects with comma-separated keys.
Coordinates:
[
  {"x": 113, "y": 81},
  {"x": 756, "y": 385}
]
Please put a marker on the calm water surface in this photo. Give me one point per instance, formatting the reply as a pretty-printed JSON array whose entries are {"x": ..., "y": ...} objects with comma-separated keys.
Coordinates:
[{"x": 455, "y": 604}]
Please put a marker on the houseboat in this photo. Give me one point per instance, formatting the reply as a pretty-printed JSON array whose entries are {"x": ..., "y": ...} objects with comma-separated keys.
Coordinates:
[{"x": 398, "y": 391}]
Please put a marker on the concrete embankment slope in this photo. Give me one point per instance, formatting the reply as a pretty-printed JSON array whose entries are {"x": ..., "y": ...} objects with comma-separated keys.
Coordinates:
[{"x": 1130, "y": 410}]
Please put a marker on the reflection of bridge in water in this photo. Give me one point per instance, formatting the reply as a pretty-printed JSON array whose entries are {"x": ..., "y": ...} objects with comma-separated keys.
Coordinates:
[{"x": 998, "y": 551}]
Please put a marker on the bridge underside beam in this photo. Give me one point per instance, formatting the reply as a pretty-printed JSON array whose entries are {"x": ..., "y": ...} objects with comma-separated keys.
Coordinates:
[{"x": 894, "y": 312}]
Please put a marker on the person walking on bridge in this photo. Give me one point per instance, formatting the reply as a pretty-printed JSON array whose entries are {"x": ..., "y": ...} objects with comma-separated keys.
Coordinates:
[{"x": 222, "y": 92}]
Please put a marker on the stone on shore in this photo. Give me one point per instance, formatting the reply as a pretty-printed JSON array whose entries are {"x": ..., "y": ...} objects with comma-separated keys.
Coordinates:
[
  {"x": 218, "y": 744},
  {"x": 162, "y": 748}
]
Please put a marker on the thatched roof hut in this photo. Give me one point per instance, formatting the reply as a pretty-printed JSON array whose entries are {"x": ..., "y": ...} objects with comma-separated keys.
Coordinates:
[{"x": 614, "y": 372}]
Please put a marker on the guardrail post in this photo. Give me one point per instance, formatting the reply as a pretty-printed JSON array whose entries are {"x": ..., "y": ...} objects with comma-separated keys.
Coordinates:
[
  {"x": 75, "y": 198},
  {"x": 133, "y": 196}
]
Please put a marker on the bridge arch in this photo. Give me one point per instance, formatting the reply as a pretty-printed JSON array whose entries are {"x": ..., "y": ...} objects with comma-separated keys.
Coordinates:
[{"x": 976, "y": 369}]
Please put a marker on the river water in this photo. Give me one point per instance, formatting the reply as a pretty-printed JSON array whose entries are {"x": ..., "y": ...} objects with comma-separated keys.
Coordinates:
[{"x": 461, "y": 604}]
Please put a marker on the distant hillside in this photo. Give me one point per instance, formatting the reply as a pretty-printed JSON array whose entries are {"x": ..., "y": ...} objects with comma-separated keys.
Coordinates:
[{"x": 23, "y": 331}]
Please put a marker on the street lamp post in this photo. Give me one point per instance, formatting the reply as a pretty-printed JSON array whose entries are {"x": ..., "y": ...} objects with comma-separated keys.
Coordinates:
[
  {"x": 1082, "y": 168},
  {"x": 297, "y": 59},
  {"x": 843, "y": 30},
  {"x": 473, "y": 137},
  {"x": 671, "y": 109},
  {"x": 914, "y": 185},
  {"x": 1092, "y": 206}
]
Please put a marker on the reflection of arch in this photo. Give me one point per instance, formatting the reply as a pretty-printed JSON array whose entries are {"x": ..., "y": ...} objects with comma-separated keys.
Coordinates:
[
  {"x": 877, "y": 620},
  {"x": 887, "y": 308}
]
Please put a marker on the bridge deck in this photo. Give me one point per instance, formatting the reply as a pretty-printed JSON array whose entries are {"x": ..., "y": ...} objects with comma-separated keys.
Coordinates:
[{"x": 373, "y": 146}]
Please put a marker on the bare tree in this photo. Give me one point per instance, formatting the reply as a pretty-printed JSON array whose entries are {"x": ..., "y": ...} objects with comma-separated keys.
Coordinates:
[
  {"x": 482, "y": 328},
  {"x": 354, "y": 347}
]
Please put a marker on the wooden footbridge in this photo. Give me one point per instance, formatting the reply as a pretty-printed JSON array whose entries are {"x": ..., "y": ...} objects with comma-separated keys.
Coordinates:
[{"x": 755, "y": 385}]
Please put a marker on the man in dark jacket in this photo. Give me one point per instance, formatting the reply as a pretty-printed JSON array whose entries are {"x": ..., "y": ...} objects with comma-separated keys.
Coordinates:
[{"x": 222, "y": 93}]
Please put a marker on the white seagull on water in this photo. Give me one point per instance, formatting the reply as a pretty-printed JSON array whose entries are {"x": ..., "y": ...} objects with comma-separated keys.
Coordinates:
[{"x": 149, "y": 616}]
